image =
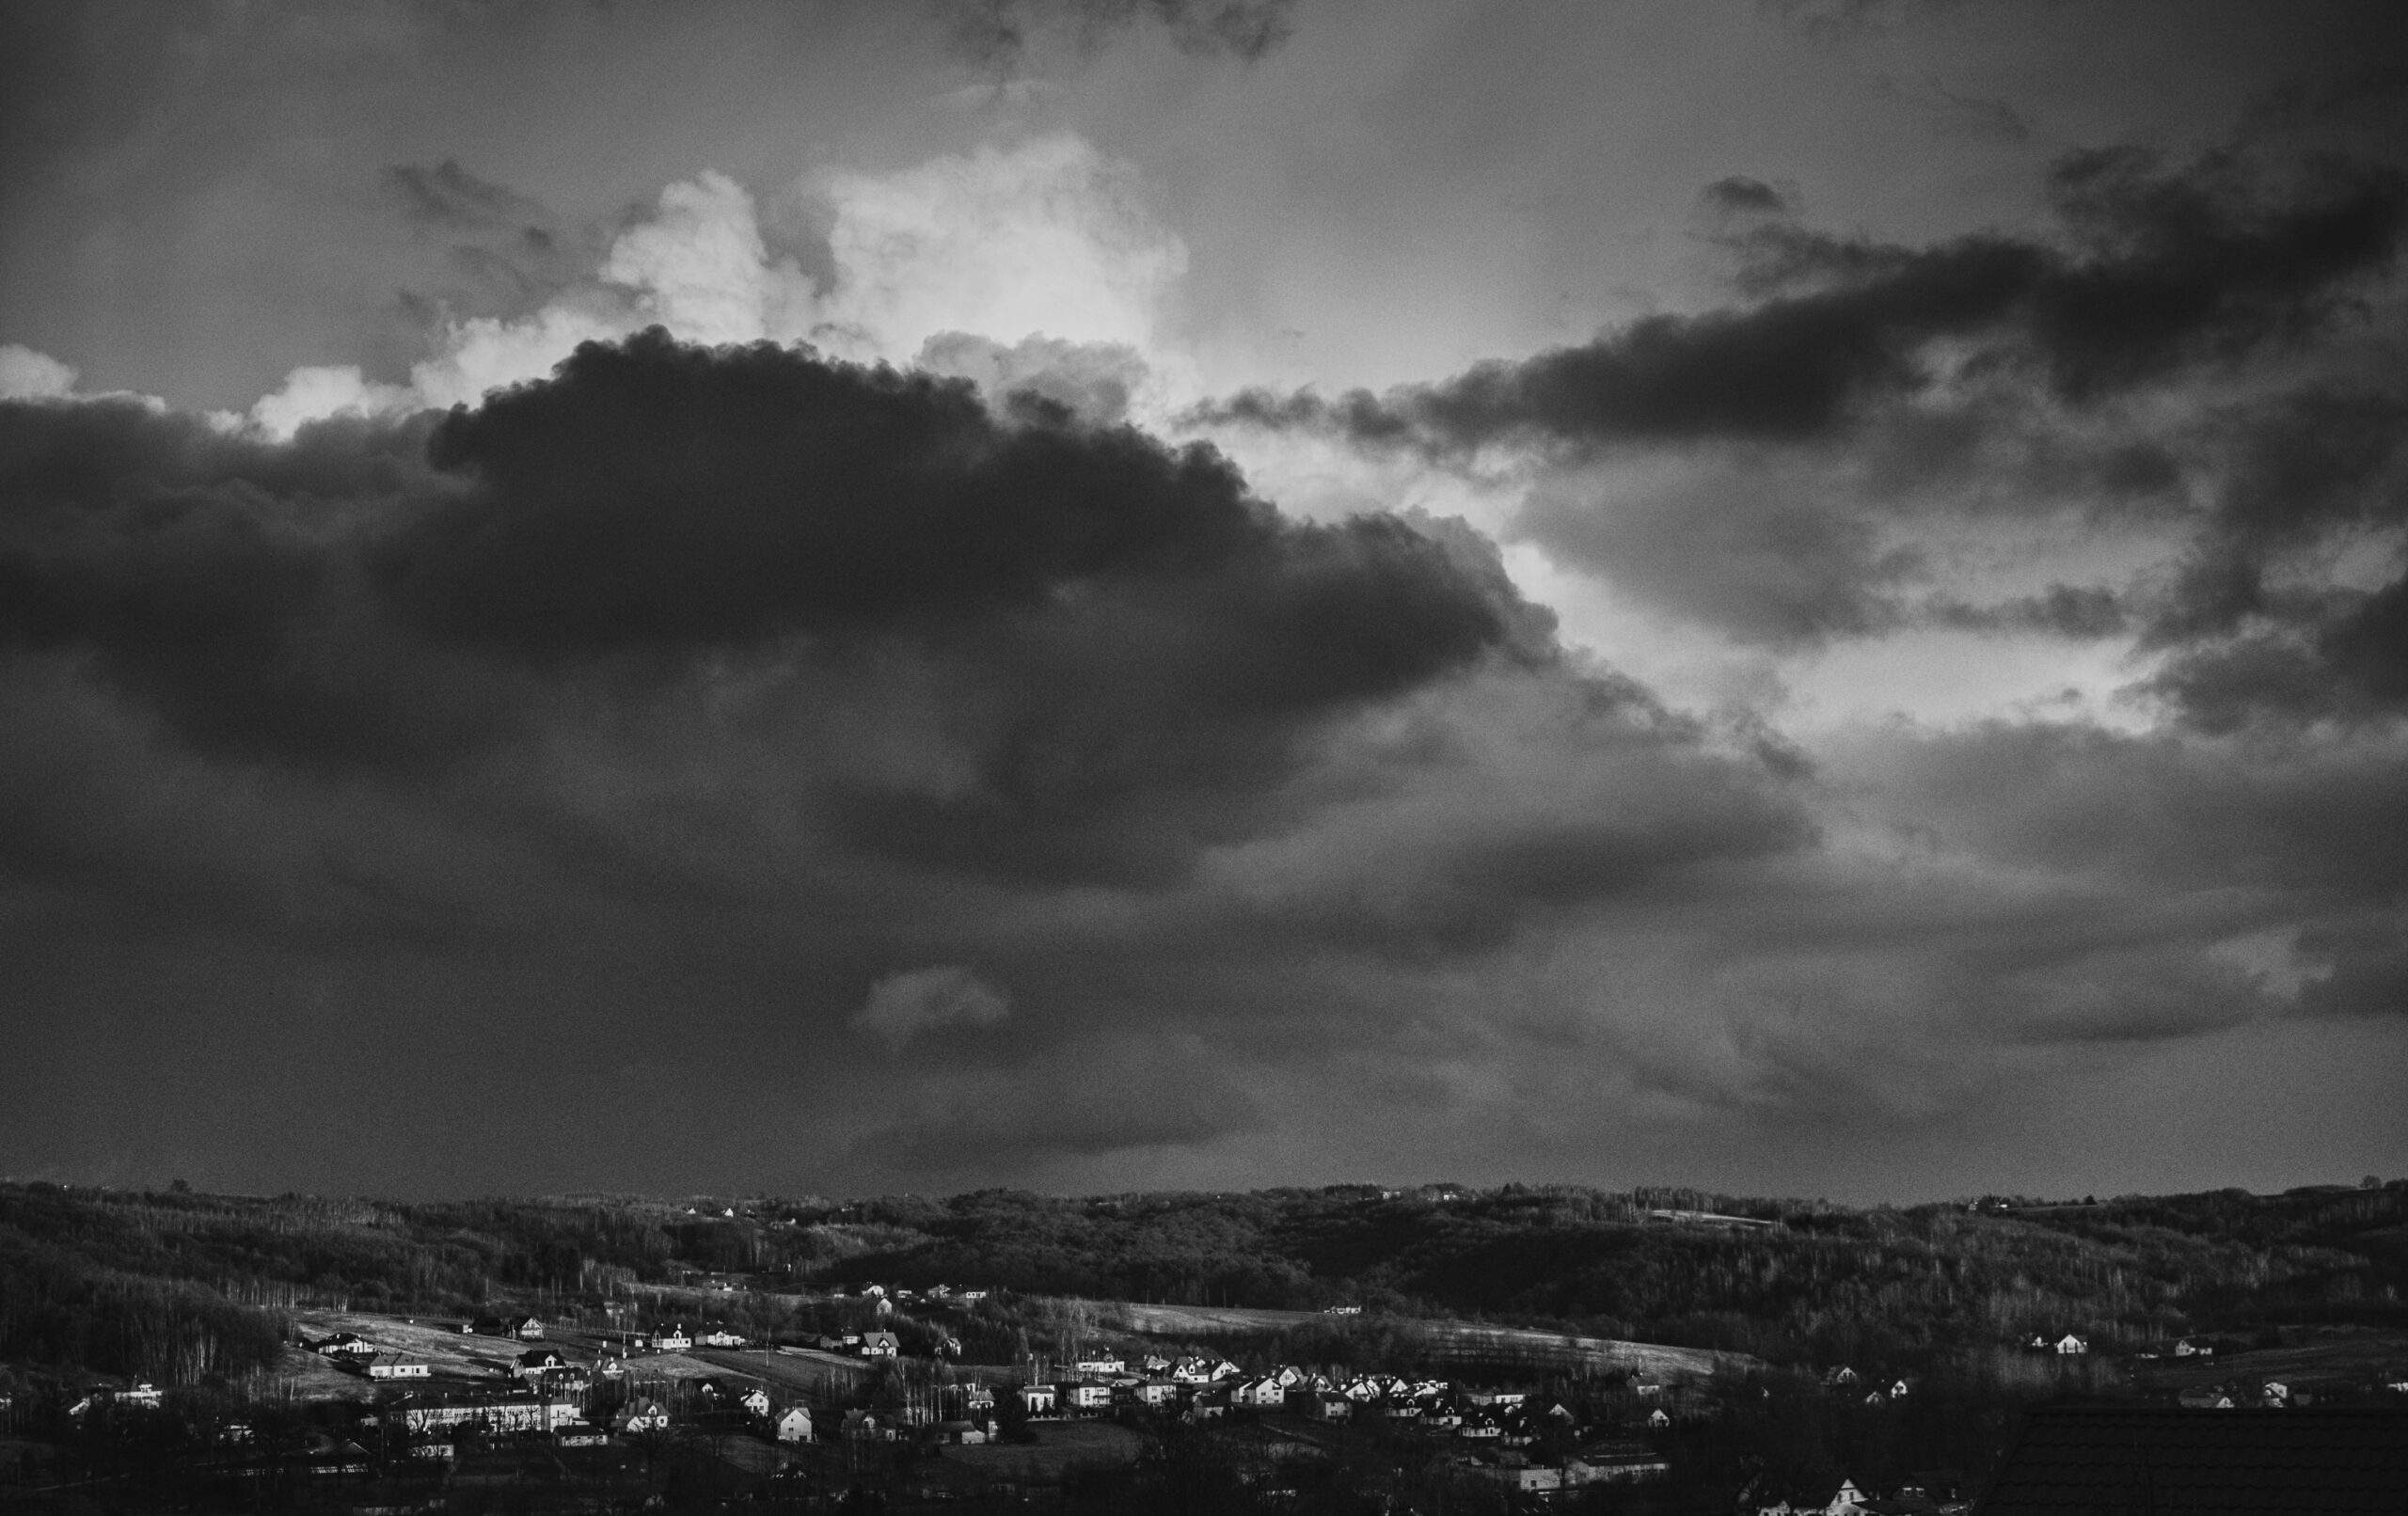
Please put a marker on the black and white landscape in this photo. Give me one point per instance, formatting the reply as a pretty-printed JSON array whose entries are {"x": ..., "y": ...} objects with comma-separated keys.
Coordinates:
[{"x": 1263, "y": 608}]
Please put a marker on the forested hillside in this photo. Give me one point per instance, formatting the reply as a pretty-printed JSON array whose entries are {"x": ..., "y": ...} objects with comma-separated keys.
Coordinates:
[{"x": 179, "y": 1286}]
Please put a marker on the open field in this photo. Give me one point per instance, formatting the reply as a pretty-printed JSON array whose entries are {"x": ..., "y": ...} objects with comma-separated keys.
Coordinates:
[
  {"x": 811, "y": 1374},
  {"x": 1059, "y": 1444},
  {"x": 453, "y": 1356},
  {"x": 1458, "y": 1339},
  {"x": 2351, "y": 1358}
]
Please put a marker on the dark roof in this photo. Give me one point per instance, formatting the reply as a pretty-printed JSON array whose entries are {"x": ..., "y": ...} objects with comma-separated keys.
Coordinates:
[{"x": 2149, "y": 1461}]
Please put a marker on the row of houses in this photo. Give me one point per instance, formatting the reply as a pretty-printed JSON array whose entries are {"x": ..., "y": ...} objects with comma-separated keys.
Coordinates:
[
  {"x": 548, "y": 1410},
  {"x": 1206, "y": 1390}
]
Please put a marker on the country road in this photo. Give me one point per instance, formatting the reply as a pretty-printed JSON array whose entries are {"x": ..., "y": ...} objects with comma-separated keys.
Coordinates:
[{"x": 1466, "y": 1339}]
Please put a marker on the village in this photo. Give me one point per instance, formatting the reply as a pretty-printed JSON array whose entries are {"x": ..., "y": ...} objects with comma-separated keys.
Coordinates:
[{"x": 607, "y": 1393}]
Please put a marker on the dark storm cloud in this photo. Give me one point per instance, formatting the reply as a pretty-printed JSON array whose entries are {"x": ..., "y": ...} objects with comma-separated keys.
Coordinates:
[
  {"x": 1739, "y": 195},
  {"x": 215, "y": 578},
  {"x": 2252, "y": 623},
  {"x": 999, "y": 32},
  {"x": 727, "y": 686},
  {"x": 1102, "y": 651},
  {"x": 2155, "y": 270}
]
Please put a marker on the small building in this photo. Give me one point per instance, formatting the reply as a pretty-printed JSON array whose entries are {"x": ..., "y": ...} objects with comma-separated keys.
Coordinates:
[
  {"x": 792, "y": 1425},
  {"x": 673, "y": 1340},
  {"x": 720, "y": 1337},
  {"x": 1083, "y": 1397},
  {"x": 344, "y": 1345},
  {"x": 525, "y": 1328},
  {"x": 1658, "y": 1419},
  {"x": 880, "y": 1344},
  {"x": 867, "y": 1427},
  {"x": 1036, "y": 1399},
  {"x": 398, "y": 1366},
  {"x": 1328, "y": 1405},
  {"x": 640, "y": 1416},
  {"x": 537, "y": 1362},
  {"x": 1098, "y": 1363},
  {"x": 1155, "y": 1392},
  {"x": 754, "y": 1401},
  {"x": 2069, "y": 1345}
]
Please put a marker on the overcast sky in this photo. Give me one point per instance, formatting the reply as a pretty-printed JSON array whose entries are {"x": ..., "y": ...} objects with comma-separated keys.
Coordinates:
[{"x": 1802, "y": 597}]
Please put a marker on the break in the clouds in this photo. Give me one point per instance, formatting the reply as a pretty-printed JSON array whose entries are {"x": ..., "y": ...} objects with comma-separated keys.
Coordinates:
[{"x": 1098, "y": 596}]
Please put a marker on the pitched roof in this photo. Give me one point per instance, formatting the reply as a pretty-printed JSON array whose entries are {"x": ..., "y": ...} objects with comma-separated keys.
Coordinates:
[{"x": 2102, "y": 1459}]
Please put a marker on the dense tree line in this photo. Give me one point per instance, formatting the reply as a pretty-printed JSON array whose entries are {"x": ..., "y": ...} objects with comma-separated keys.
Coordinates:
[{"x": 1819, "y": 1282}]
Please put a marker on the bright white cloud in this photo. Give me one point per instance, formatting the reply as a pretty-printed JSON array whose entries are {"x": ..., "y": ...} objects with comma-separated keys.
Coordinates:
[
  {"x": 316, "y": 394},
  {"x": 25, "y": 374},
  {"x": 1045, "y": 237}
]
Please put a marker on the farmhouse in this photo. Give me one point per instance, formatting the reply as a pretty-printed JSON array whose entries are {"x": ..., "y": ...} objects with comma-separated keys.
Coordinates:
[
  {"x": 2069, "y": 1345},
  {"x": 640, "y": 1416},
  {"x": 880, "y": 1344},
  {"x": 792, "y": 1425},
  {"x": 1036, "y": 1399},
  {"x": 536, "y": 1362}
]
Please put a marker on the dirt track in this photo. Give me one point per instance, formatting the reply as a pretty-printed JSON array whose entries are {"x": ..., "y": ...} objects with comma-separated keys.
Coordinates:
[{"x": 1467, "y": 1339}]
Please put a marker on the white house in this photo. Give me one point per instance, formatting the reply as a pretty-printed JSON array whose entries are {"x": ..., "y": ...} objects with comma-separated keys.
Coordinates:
[
  {"x": 720, "y": 1337},
  {"x": 673, "y": 1340},
  {"x": 1084, "y": 1396},
  {"x": 2069, "y": 1345},
  {"x": 755, "y": 1402},
  {"x": 641, "y": 1416},
  {"x": 1036, "y": 1399},
  {"x": 880, "y": 1344},
  {"x": 397, "y": 1365},
  {"x": 1658, "y": 1419},
  {"x": 793, "y": 1424},
  {"x": 1098, "y": 1363}
]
